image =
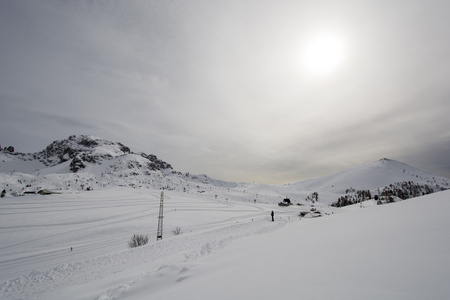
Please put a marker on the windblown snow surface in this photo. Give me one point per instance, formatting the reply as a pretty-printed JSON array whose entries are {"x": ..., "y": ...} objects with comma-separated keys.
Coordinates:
[{"x": 229, "y": 248}]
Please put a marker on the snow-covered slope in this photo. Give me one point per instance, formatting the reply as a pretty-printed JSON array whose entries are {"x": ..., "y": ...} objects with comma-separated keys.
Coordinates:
[
  {"x": 90, "y": 163},
  {"x": 228, "y": 249},
  {"x": 370, "y": 176},
  {"x": 86, "y": 163},
  {"x": 346, "y": 256}
]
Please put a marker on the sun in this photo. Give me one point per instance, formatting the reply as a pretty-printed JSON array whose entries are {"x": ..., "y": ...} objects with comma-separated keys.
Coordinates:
[{"x": 323, "y": 54}]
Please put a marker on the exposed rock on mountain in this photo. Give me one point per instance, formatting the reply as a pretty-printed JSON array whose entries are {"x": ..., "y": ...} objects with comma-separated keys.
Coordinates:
[
  {"x": 83, "y": 162},
  {"x": 88, "y": 163},
  {"x": 84, "y": 149}
]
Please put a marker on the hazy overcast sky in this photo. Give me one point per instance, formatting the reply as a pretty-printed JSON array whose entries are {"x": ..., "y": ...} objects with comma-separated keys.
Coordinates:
[{"x": 221, "y": 88}]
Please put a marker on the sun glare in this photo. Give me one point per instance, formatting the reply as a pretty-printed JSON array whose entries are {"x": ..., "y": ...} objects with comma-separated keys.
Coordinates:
[{"x": 323, "y": 54}]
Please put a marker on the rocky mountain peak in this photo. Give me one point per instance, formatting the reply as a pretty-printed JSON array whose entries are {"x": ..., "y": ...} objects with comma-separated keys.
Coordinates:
[
  {"x": 80, "y": 148},
  {"x": 84, "y": 150}
]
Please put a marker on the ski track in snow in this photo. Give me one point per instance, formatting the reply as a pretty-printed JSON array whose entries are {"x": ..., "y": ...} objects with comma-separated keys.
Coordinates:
[{"x": 191, "y": 247}]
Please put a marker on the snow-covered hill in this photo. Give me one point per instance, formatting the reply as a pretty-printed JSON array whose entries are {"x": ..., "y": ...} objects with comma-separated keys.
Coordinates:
[
  {"x": 87, "y": 163},
  {"x": 371, "y": 176},
  {"x": 90, "y": 163},
  {"x": 380, "y": 178},
  {"x": 78, "y": 151},
  {"x": 74, "y": 154}
]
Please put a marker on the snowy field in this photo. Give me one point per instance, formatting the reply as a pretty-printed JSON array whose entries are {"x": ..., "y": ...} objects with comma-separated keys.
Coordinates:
[{"x": 229, "y": 248}]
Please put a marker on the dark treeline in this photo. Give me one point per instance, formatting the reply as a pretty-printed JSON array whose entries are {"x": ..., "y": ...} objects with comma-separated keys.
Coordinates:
[{"x": 403, "y": 190}]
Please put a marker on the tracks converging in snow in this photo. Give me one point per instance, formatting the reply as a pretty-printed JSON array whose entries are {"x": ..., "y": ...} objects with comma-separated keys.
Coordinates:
[
  {"x": 39, "y": 259},
  {"x": 186, "y": 248}
]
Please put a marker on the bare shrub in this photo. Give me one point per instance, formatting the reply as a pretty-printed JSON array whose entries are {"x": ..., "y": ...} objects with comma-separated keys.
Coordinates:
[
  {"x": 138, "y": 240},
  {"x": 177, "y": 231}
]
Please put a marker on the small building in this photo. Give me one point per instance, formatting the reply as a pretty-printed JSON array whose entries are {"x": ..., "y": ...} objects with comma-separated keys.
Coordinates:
[{"x": 287, "y": 201}]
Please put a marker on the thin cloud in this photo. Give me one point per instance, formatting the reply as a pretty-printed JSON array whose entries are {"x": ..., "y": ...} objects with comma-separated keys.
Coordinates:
[{"x": 218, "y": 88}]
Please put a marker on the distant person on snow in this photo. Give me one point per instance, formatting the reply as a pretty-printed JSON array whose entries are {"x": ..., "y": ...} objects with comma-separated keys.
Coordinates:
[{"x": 272, "y": 214}]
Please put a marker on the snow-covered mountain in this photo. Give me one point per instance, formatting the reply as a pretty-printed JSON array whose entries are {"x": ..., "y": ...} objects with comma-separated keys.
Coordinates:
[
  {"x": 385, "y": 177},
  {"x": 371, "y": 176},
  {"x": 74, "y": 245},
  {"x": 85, "y": 163},
  {"x": 76, "y": 153}
]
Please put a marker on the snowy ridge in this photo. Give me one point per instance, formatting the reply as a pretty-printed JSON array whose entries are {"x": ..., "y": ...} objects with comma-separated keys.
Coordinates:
[
  {"x": 81, "y": 163},
  {"x": 371, "y": 176},
  {"x": 73, "y": 154},
  {"x": 86, "y": 163}
]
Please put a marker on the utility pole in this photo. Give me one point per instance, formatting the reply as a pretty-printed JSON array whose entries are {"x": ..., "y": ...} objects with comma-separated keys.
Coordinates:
[{"x": 160, "y": 219}]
